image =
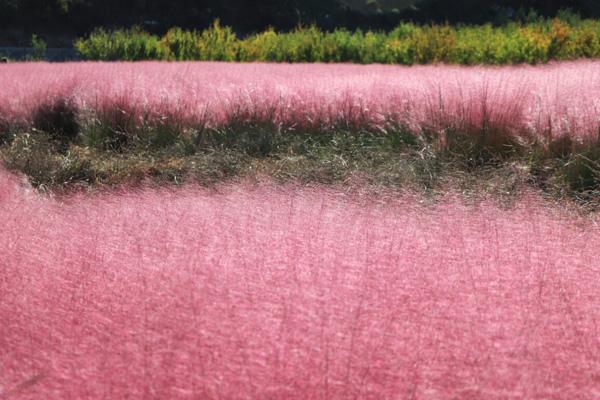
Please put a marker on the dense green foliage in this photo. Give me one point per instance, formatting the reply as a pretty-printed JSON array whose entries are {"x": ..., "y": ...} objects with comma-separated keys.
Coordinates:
[{"x": 541, "y": 41}]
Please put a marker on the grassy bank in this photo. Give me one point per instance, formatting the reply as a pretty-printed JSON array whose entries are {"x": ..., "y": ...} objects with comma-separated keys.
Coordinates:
[
  {"x": 394, "y": 159},
  {"x": 408, "y": 44}
]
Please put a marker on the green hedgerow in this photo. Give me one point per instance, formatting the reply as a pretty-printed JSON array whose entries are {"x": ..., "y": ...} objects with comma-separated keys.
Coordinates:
[{"x": 534, "y": 42}]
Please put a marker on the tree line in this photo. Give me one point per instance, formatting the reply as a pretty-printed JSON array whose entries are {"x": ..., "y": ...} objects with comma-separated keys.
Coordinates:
[{"x": 247, "y": 16}]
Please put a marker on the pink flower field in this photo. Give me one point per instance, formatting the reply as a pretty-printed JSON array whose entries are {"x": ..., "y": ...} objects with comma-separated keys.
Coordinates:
[
  {"x": 252, "y": 290},
  {"x": 548, "y": 101},
  {"x": 263, "y": 292}
]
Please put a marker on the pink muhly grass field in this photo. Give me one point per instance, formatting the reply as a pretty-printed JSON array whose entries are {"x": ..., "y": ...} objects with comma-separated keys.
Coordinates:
[
  {"x": 253, "y": 292},
  {"x": 548, "y": 100}
]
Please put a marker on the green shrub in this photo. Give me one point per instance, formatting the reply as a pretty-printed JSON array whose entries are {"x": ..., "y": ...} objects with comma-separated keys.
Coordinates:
[
  {"x": 537, "y": 41},
  {"x": 218, "y": 44},
  {"x": 128, "y": 45},
  {"x": 261, "y": 47},
  {"x": 181, "y": 45},
  {"x": 434, "y": 44},
  {"x": 38, "y": 48},
  {"x": 372, "y": 49}
]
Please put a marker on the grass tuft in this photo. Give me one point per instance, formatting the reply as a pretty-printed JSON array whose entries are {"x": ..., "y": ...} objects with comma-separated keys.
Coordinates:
[{"x": 58, "y": 118}]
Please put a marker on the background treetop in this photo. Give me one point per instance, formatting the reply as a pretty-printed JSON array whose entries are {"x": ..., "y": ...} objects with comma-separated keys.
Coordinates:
[{"x": 79, "y": 17}]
